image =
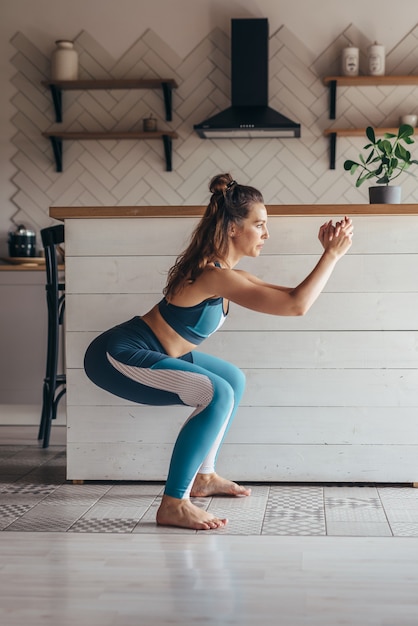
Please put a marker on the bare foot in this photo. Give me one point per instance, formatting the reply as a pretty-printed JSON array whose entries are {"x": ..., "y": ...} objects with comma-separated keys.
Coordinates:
[
  {"x": 177, "y": 512},
  {"x": 214, "y": 485}
]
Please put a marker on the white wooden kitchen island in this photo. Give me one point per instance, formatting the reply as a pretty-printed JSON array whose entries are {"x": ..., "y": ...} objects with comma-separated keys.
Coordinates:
[{"x": 331, "y": 396}]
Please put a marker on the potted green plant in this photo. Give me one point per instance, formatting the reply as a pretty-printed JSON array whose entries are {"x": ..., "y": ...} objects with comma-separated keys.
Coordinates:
[{"x": 387, "y": 159}]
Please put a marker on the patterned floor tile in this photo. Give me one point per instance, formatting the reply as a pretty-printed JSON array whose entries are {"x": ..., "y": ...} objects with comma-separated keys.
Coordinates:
[
  {"x": 402, "y": 515},
  {"x": 358, "y": 529},
  {"x": 9, "y": 513},
  {"x": 127, "y": 500},
  {"x": 104, "y": 511},
  {"x": 14, "y": 510},
  {"x": 354, "y": 503},
  {"x": 295, "y": 498},
  {"x": 100, "y": 525},
  {"x": 44, "y": 518},
  {"x": 30, "y": 488},
  {"x": 135, "y": 489},
  {"x": 398, "y": 493},
  {"x": 350, "y": 491},
  {"x": 349, "y": 513},
  {"x": 150, "y": 527},
  {"x": 237, "y": 527},
  {"x": 404, "y": 529},
  {"x": 289, "y": 526},
  {"x": 35, "y": 496},
  {"x": 248, "y": 507},
  {"x": 78, "y": 494}
]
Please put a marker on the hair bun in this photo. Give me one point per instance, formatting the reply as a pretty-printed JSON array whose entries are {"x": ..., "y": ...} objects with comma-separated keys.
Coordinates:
[{"x": 221, "y": 183}]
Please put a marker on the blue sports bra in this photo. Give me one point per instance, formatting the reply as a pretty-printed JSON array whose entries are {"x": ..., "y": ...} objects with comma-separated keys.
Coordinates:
[{"x": 194, "y": 323}]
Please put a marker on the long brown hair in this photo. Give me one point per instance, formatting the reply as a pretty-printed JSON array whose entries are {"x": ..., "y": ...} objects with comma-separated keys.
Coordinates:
[{"x": 230, "y": 203}]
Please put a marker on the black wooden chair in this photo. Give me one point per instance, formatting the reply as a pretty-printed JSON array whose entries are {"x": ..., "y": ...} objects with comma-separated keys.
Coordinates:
[{"x": 54, "y": 386}]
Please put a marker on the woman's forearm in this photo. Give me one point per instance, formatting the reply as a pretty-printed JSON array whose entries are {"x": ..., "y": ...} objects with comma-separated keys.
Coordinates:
[{"x": 305, "y": 294}]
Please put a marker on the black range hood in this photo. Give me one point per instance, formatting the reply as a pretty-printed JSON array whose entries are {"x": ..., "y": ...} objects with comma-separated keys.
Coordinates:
[{"x": 249, "y": 116}]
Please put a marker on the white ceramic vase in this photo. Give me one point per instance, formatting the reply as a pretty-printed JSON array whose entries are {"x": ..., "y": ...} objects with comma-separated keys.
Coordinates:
[{"x": 64, "y": 61}]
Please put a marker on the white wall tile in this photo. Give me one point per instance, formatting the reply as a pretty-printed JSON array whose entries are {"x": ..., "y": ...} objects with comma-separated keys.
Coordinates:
[{"x": 107, "y": 168}]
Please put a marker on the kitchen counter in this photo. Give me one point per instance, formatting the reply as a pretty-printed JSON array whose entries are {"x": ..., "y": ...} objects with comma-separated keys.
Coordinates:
[
  {"x": 62, "y": 213},
  {"x": 331, "y": 396},
  {"x": 27, "y": 267}
]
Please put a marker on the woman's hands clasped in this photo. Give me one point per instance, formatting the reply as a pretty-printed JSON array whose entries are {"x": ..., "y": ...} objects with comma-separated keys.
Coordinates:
[{"x": 336, "y": 239}]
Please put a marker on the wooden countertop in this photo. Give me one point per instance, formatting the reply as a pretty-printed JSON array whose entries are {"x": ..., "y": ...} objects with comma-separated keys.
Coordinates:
[
  {"x": 91, "y": 212},
  {"x": 25, "y": 267}
]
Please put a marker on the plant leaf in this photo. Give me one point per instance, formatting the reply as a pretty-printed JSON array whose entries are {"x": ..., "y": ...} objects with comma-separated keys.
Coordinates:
[
  {"x": 383, "y": 181},
  {"x": 370, "y": 134},
  {"x": 402, "y": 153},
  {"x": 360, "y": 180},
  {"x": 369, "y": 158},
  {"x": 405, "y": 130},
  {"x": 385, "y": 146}
]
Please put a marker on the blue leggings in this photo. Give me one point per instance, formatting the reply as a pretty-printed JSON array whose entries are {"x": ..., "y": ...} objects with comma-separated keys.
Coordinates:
[{"x": 129, "y": 362}]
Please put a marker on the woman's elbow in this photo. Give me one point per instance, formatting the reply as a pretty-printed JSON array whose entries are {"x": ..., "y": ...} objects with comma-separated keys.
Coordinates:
[{"x": 298, "y": 307}]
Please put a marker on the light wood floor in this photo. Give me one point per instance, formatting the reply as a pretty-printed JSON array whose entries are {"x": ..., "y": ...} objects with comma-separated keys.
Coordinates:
[
  {"x": 106, "y": 579},
  {"x": 123, "y": 580}
]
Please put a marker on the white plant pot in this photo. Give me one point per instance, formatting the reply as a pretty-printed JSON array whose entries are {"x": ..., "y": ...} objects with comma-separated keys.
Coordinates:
[{"x": 385, "y": 194}]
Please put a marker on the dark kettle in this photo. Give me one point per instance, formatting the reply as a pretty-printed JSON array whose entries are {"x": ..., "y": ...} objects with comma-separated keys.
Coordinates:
[{"x": 22, "y": 242}]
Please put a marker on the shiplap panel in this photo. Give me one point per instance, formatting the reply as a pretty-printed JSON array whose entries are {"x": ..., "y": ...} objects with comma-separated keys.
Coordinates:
[
  {"x": 332, "y": 395},
  {"x": 288, "y": 235},
  {"x": 284, "y": 387},
  {"x": 358, "y": 274},
  {"x": 276, "y": 349},
  {"x": 332, "y": 311},
  {"x": 280, "y": 425},
  {"x": 356, "y": 463}
]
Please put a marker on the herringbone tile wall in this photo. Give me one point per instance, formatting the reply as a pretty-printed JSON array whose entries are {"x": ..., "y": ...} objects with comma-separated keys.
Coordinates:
[{"x": 133, "y": 172}]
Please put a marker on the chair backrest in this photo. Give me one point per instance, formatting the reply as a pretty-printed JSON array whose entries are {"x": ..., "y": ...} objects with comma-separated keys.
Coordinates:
[{"x": 51, "y": 237}]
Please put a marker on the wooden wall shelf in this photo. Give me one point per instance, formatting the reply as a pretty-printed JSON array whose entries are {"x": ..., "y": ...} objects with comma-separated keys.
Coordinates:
[
  {"x": 356, "y": 81},
  {"x": 58, "y": 86},
  {"x": 362, "y": 81},
  {"x": 57, "y": 137},
  {"x": 333, "y": 133}
]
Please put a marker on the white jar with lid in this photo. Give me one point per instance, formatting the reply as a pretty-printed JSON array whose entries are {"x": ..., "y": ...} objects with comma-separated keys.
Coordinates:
[
  {"x": 376, "y": 58},
  {"x": 64, "y": 61},
  {"x": 350, "y": 61}
]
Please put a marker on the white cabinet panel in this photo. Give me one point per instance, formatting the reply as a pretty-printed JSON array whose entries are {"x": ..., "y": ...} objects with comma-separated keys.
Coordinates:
[
  {"x": 375, "y": 273},
  {"x": 285, "y": 349},
  {"x": 331, "y": 396},
  {"x": 332, "y": 311}
]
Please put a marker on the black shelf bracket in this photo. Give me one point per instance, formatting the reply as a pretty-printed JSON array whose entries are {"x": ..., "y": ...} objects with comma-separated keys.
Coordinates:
[
  {"x": 56, "y": 93},
  {"x": 332, "y": 150},
  {"x": 332, "y": 99},
  {"x": 56, "y": 143},
  {"x": 168, "y": 101},
  {"x": 168, "y": 151}
]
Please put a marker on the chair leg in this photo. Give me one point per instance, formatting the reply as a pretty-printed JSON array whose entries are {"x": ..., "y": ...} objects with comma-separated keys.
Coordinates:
[
  {"x": 45, "y": 409},
  {"x": 49, "y": 409}
]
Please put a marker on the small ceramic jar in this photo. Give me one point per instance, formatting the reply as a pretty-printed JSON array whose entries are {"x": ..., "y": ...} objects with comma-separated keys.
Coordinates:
[
  {"x": 376, "y": 58},
  {"x": 350, "y": 61}
]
